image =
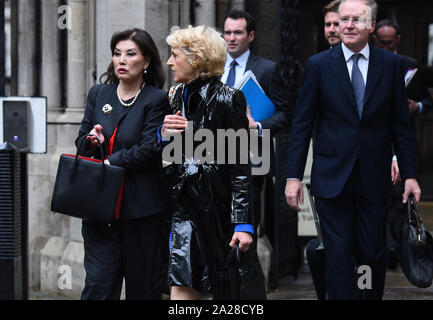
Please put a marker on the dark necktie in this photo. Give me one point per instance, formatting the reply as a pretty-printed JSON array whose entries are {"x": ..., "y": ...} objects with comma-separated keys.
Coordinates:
[
  {"x": 358, "y": 84},
  {"x": 232, "y": 74}
]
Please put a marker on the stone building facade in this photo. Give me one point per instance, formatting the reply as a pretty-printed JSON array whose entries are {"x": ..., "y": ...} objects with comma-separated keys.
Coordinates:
[{"x": 59, "y": 49}]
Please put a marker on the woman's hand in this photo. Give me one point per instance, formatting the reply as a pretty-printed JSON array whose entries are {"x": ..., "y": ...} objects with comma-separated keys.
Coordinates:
[
  {"x": 96, "y": 131},
  {"x": 244, "y": 238},
  {"x": 173, "y": 124}
]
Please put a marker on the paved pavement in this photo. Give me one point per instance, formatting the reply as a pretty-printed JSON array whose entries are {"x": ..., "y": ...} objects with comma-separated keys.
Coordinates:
[{"x": 396, "y": 288}]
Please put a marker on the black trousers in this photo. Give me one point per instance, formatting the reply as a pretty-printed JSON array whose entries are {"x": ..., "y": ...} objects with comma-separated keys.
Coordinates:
[
  {"x": 354, "y": 234},
  {"x": 126, "y": 249}
]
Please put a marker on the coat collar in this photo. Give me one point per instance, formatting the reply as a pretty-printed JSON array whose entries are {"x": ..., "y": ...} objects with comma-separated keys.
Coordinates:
[{"x": 252, "y": 61}]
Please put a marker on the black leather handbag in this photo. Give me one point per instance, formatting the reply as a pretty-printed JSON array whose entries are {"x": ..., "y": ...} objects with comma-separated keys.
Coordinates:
[
  {"x": 87, "y": 188},
  {"x": 241, "y": 280},
  {"x": 414, "y": 245}
]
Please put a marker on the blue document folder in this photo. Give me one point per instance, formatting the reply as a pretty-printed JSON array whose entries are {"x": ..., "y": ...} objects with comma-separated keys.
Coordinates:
[{"x": 261, "y": 106}]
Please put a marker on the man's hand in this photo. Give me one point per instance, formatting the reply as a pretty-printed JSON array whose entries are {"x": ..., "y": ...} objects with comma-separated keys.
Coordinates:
[
  {"x": 395, "y": 173},
  {"x": 413, "y": 106},
  {"x": 411, "y": 187},
  {"x": 293, "y": 192},
  {"x": 244, "y": 238},
  {"x": 252, "y": 123}
]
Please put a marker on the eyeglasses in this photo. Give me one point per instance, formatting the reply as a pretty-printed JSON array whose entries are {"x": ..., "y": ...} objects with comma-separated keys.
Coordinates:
[{"x": 355, "y": 21}]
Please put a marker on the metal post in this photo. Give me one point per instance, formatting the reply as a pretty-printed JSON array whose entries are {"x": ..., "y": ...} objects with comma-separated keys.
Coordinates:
[{"x": 2, "y": 48}]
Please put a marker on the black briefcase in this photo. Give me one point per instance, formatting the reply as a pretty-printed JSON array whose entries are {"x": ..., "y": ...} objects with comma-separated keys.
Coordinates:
[
  {"x": 315, "y": 253},
  {"x": 414, "y": 245},
  {"x": 87, "y": 188}
]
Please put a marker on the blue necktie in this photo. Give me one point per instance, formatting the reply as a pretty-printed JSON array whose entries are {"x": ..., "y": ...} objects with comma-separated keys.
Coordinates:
[
  {"x": 358, "y": 84},
  {"x": 232, "y": 74}
]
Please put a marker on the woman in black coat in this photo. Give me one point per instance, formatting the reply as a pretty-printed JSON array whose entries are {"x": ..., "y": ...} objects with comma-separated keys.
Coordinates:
[
  {"x": 210, "y": 207},
  {"x": 125, "y": 112}
]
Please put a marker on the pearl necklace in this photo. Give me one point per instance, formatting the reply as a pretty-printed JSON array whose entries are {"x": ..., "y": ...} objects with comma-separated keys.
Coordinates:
[{"x": 133, "y": 101}]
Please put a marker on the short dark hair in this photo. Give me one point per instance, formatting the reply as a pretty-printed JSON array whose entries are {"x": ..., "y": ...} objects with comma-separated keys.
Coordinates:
[
  {"x": 236, "y": 14},
  {"x": 331, "y": 7},
  {"x": 388, "y": 23},
  {"x": 155, "y": 75}
]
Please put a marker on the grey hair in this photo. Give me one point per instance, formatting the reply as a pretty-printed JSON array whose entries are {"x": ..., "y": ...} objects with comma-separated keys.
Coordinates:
[{"x": 370, "y": 3}]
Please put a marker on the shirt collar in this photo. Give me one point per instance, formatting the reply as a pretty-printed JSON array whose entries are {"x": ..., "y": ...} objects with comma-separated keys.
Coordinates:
[
  {"x": 241, "y": 60},
  {"x": 349, "y": 53}
]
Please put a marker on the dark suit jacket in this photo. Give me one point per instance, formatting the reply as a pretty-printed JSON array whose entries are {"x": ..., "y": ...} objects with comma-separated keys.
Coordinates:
[
  {"x": 133, "y": 146},
  {"x": 341, "y": 137},
  {"x": 268, "y": 75},
  {"x": 425, "y": 98}
]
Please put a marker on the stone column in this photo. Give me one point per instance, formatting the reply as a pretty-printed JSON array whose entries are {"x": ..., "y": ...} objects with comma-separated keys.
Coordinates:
[
  {"x": 76, "y": 60},
  {"x": 50, "y": 51},
  {"x": 24, "y": 51},
  {"x": 179, "y": 12},
  {"x": 238, "y": 4},
  {"x": 113, "y": 16},
  {"x": 158, "y": 26},
  {"x": 205, "y": 12}
]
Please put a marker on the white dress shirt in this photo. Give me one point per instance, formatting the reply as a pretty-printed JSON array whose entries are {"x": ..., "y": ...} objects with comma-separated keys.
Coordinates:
[
  {"x": 362, "y": 62},
  {"x": 240, "y": 68}
]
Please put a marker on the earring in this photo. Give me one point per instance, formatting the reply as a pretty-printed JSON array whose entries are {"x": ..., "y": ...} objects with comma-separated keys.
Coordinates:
[
  {"x": 145, "y": 71},
  {"x": 194, "y": 65}
]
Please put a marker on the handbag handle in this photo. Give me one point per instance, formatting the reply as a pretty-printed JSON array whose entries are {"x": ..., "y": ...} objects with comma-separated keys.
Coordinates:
[
  {"x": 77, "y": 161},
  {"x": 234, "y": 251},
  {"x": 414, "y": 216}
]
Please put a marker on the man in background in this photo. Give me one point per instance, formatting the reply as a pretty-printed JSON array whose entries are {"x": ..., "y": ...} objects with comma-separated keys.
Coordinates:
[
  {"x": 239, "y": 33},
  {"x": 330, "y": 13},
  {"x": 387, "y": 36}
]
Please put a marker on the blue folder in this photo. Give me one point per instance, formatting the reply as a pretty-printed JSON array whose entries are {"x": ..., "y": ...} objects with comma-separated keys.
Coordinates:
[{"x": 261, "y": 106}]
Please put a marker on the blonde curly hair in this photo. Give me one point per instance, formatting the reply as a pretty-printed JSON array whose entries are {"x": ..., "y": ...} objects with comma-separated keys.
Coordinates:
[{"x": 203, "y": 44}]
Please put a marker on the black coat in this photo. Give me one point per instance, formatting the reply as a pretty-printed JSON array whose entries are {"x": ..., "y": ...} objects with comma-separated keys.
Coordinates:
[
  {"x": 209, "y": 199},
  {"x": 134, "y": 144},
  {"x": 422, "y": 93}
]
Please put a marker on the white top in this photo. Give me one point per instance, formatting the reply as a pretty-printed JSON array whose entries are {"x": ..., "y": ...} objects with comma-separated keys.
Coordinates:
[
  {"x": 362, "y": 62},
  {"x": 240, "y": 68}
]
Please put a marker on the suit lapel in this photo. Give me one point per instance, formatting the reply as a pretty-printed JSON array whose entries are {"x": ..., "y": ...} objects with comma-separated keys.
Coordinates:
[
  {"x": 111, "y": 121},
  {"x": 252, "y": 61},
  {"x": 374, "y": 73},
  {"x": 339, "y": 67}
]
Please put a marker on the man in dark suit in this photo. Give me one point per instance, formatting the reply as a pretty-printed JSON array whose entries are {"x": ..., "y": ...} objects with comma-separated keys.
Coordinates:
[
  {"x": 387, "y": 36},
  {"x": 239, "y": 32},
  {"x": 357, "y": 94}
]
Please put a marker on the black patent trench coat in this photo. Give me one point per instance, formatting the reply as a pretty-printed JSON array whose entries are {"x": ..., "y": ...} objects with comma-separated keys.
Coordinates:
[{"x": 208, "y": 199}]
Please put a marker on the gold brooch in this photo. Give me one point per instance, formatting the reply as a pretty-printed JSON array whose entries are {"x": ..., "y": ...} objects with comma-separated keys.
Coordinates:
[{"x": 107, "y": 109}]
